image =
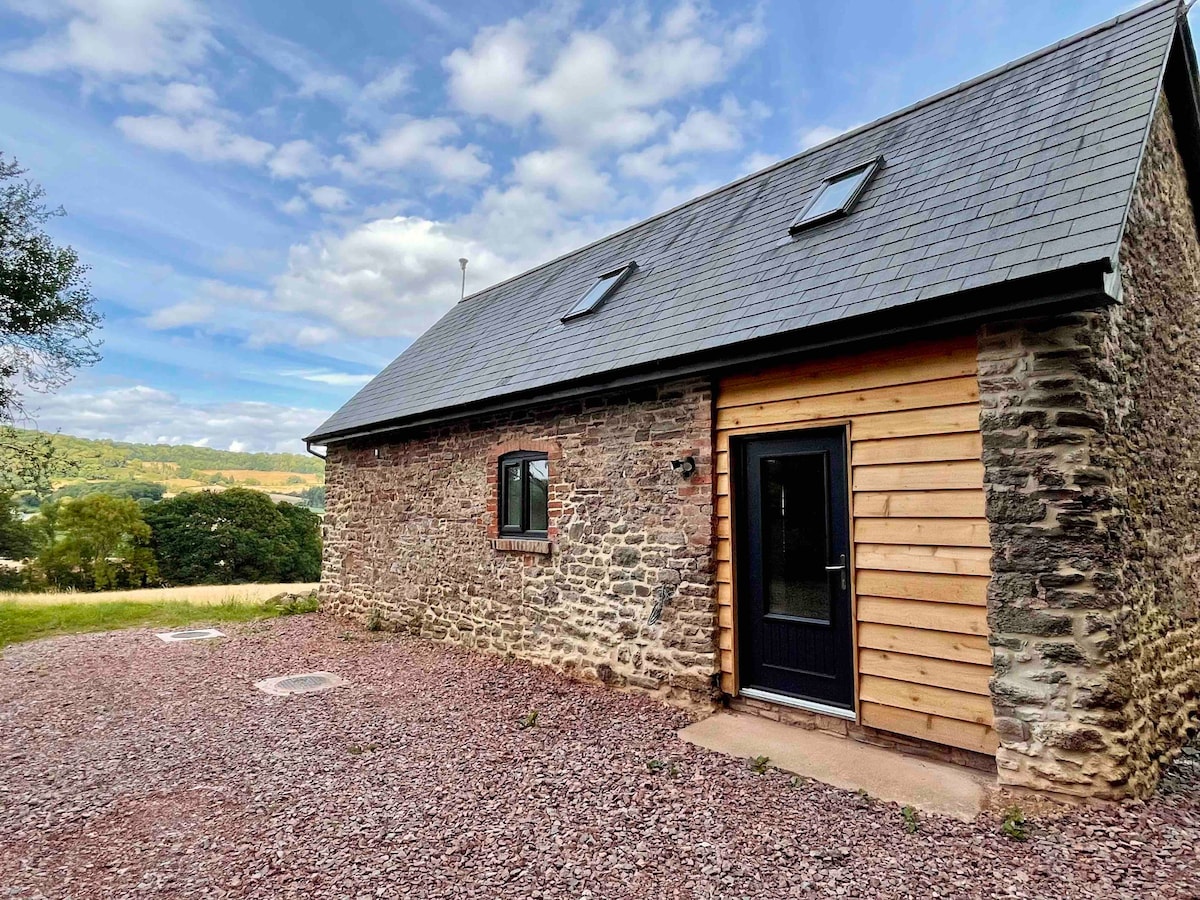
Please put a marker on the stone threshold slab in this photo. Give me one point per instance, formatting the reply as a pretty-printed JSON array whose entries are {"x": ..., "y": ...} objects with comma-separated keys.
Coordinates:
[{"x": 935, "y": 787}]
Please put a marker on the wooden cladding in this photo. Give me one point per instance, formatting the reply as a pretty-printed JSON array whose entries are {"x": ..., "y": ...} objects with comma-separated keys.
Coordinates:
[{"x": 920, "y": 537}]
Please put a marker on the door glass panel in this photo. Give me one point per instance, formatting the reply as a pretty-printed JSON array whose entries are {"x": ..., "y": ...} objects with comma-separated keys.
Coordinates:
[{"x": 795, "y": 536}]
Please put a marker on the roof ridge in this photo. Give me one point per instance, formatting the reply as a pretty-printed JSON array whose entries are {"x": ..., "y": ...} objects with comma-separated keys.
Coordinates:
[{"x": 845, "y": 135}]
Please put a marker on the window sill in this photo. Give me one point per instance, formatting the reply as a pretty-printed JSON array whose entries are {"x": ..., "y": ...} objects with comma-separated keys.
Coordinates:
[{"x": 522, "y": 545}]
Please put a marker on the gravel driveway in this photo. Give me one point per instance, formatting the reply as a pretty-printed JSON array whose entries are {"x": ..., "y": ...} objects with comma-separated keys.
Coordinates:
[{"x": 130, "y": 768}]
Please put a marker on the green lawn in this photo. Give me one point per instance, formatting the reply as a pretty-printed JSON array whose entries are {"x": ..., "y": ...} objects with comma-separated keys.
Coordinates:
[{"x": 27, "y": 621}]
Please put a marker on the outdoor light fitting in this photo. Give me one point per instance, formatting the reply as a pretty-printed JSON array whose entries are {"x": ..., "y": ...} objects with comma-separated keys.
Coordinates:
[{"x": 686, "y": 467}]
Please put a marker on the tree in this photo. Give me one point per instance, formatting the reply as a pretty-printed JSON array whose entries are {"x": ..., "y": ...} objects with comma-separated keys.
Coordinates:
[
  {"x": 103, "y": 543},
  {"x": 231, "y": 536},
  {"x": 314, "y": 497},
  {"x": 47, "y": 318},
  {"x": 16, "y": 538},
  {"x": 136, "y": 490},
  {"x": 303, "y": 562}
]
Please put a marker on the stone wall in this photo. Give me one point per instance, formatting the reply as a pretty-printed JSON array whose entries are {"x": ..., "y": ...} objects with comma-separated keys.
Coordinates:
[
  {"x": 411, "y": 534},
  {"x": 1091, "y": 427}
]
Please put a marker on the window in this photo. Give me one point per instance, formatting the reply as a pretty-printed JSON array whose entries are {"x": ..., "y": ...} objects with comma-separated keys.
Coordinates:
[
  {"x": 837, "y": 196},
  {"x": 524, "y": 494},
  {"x": 600, "y": 291}
]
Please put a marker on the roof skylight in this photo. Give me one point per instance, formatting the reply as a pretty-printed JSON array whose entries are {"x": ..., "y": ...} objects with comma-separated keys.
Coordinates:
[
  {"x": 600, "y": 291},
  {"x": 837, "y": 195}
]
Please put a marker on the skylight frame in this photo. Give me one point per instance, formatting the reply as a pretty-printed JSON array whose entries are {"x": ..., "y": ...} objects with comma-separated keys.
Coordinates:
[
  {"x": 619, "y": 276},
  {"x": 869, "y": 170}
]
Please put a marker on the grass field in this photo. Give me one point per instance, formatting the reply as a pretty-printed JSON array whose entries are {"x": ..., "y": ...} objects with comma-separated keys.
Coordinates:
[
  {"x": 201, "y": 595},
  {"x": 269, "y": 479},
  {"x": 27, "y": 617}
]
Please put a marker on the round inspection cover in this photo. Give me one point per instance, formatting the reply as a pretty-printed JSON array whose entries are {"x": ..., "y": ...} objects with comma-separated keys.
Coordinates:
[{"x": 300, "y": 683}]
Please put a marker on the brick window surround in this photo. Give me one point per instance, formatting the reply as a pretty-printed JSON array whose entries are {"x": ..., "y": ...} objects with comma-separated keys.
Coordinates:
[{"x": 554, "y": 495}]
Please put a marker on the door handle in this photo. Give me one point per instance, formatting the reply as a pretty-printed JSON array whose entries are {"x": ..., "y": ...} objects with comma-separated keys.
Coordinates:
[{"x": 841, "y": 568}]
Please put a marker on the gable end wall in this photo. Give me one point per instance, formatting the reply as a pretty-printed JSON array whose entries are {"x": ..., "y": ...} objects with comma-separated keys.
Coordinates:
[
  {"x": 410, "y": 539},
  {"x": 1091, "y": 430}
]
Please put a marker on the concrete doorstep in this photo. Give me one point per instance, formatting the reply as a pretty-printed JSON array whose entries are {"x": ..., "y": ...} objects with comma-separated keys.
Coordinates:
[{"x": 931, "y": 786}]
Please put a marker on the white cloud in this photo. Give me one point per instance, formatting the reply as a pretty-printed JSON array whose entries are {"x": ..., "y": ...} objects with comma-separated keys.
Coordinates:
[
  {"x": 417, "y": 143},
  {"x": 312, "y": 77},
  {"x": 649, "y": 165},
  {"x": 389, "y": 277},
  {"x": 146, "y": 414},
  {"x": 178, "y": 98},
  {"x": 113, "y": 39},
  {"x": 291, "y": 333},
  {"x": 204, "y": 140},
  {"x": 213, "y": 300},
  {"x": 707, "y": 131},
  {"x": 296, "y": 159},
  {"x": 758, "y": 161},
  {"x": 600, "y": 87},
  {"x": 337, "y": 379},
  {"x": 430, "y": 11},
  {"x": 328, "y": 197},
  {"x": 389, "y": 85},
  {"x": 702, "y": 131},
  {"x": 567, "y": 172},
  {"x": 822, "y": 133},
  {"x": 190, "y": 312},
  {"x": 295, "y": 206}
]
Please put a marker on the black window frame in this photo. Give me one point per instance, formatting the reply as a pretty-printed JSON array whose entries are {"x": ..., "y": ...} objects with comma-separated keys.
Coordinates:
[
  {"x": 870, "y": 169},
  {"x": 521, "y": 458},
  {"x": 618, "y": 275}
]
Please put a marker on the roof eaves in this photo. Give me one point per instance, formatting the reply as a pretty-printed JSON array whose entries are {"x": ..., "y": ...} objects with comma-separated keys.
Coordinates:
[{"x": 1079, "y": 286}]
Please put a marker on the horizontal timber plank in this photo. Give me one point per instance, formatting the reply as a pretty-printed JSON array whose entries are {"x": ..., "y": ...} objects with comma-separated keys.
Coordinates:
[
  {"x": 967, "y": 648},
  {"x": 963, "y": 474},
  {"x": 933, "y": 560},
  {"x": 728, "y": 685},
  {"x": 926, "y": 699},
  {"x": 830, "y": 406},
  {"x": 945, "y": 532},
  {"x": 945, "y": 673},
  {"x": 950, "y": 617},
  {"x": 954, "y": 733},
  {"x": 838, "y": 375},
  {"x": 725, "y": 616},
  {"x": 726, "y": 661},
  {"x": 959, "y": 504},
  {"x": 963, "y": 417},
  {"x": 969, "y": 589},
  {"x": 924, "y": 448}
]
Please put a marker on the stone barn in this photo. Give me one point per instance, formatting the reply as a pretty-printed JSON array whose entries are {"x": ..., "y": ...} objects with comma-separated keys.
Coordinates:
[{"x": 897, "y": 438}]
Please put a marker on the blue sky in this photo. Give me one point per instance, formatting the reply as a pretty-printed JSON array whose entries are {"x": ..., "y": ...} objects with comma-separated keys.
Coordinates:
[{"x": 273, "y": 196}]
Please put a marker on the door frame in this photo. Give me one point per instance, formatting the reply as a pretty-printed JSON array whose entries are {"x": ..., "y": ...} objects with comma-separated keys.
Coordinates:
[{"x": 737, "y": 444}]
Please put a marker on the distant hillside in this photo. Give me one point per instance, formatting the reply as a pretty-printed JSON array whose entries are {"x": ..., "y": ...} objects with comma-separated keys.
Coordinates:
[
  {"x": 102, "y": 455},
  {"x": 181, "y": 467}
]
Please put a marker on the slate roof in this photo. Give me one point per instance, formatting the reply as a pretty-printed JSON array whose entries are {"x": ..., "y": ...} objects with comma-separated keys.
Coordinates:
[{"x": 1026, "y": 170}]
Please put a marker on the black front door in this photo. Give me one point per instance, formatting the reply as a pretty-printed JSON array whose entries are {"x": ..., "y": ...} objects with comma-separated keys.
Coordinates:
[{"x": 794, "y": 631}]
